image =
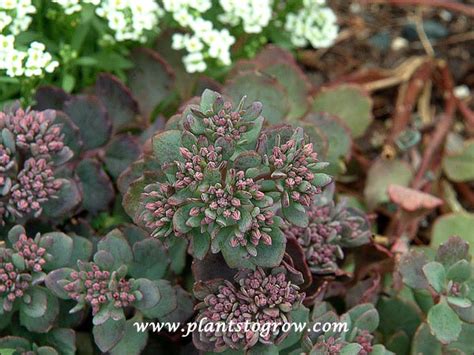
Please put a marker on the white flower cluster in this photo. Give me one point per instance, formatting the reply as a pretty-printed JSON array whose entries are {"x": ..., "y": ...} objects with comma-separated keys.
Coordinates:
[
  {"x": 253, "y": 14},
  {"x": 204, "y": 41},
  {"x": 34, "y": 62},
  {"x": 15, "y": 15},
  {"x": 130, "y": 19},
  {"x": 314, "y": 24},
  {"x": 72, "y": 6}
]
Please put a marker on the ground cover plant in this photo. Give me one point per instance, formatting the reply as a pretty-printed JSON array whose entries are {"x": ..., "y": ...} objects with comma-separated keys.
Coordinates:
[{"x": 218, "y": 162}]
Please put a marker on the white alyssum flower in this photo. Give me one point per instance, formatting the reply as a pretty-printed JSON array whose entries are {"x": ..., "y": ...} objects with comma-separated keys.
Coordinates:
[
  {"x": 314, "y": 24},
  {"x": 130, "y": 19},
  {"x": 194, "y": 62},
  {"x": 33, "y": 62},
  {"x": 183, "y": 11},
  {"x": 254, "y": 15},
  {"x": 15, "y": 15},
  {"x": 202, "y": 43},
  {"x": 72, "y": 6}
]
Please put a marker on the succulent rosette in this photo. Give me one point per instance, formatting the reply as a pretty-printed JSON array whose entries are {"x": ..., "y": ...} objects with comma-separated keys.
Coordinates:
[
  {"x": 122, "y": 284},
  {"x": 351, "y": 333},
  {"x": 24, "y": 262},
  {"x": 31, "y": 149},
  {"x": 216, "y": 178},
  {"x": 255, "y": 297},
  {"x": 332, "y": 228}
]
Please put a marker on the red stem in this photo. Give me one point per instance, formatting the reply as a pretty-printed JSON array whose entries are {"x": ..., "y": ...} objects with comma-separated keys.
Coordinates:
[{"x": 442, "y": 128}]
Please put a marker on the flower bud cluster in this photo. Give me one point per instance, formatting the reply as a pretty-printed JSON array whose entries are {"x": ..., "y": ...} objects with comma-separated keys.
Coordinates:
[
  {"x": 29, "y": 141},
  {"x": 225, "y": 200},
  {"x": 256, "y": 298},
  {"x": 97, "y": 287},
  {"x": 226, "y": 123},
  {"x": 320, "y": 239},
  {"x": 330, "y": 228},
  {"x": 158, "y": 213},
  {"x": 13, "y": 281},
  {"x": 330, "y": 345},
  {"x": 35, "y": 184},
  {"x": 290, "y": 163},
  {"x": 31, "y": 253},
  {"x": 196, "y": 163},
  {"x": 34, "y": 130},
  {"x": 364, "y": 339}
]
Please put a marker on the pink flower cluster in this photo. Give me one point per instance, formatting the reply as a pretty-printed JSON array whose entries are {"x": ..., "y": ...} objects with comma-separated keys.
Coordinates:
[
  {"x": 35, "y": 184},
  {"x": 13, "y": 283},
  {"x": 319, "y": 238},
  {"x": 261, "y": 225},
  {"x": 27, "y": 176},
  {"x": 226, "y": 123},
  {"x": 158, "y": 212},
  {"x": 34, "y": 130},
  {"x": 196, "y": 164},
  {"x": 292, "y": 163},
  {"x": 94, "y": 287},
  {"x": 226, "y": 200},
  {"x": 31, "y": 253},
  {"x": 330, "y": 345},
  {"x": 258, "y": 298},
  {"x": 364, "y": 339}
]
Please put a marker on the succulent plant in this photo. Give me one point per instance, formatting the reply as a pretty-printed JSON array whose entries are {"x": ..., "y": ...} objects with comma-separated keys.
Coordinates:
[
  {"x": 23, "y": 267},
  {"x": 32, "y": 147},
  {"x": 445, "y": 284},
  {"x": 216, "y": 178},
  {"x": 354, "y": 334},
  {"x": 99, "y": 133},
  {"x": 57, "y": 341},
  {"x": 254, "y": 296},
  {"x": 331, "y": 228},
  {"x": 121, "y": 278}
]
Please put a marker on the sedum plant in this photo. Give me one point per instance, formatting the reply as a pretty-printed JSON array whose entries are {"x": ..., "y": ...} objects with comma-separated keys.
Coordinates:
[
  {"x": 444, "y": 290},
  {"x": 354, "y": 337},
  {"x": 32, "y": 147},
  {"x": 216, "y": 177},
  {"x": 256, "y": 296},
  {"x": 125, "y": 275},
  {"x": 99, "y": 134},
  {"x": 331, "y": 228},
  {"x": 24, "y": 262},
  {"x": 57, "y": 341}
]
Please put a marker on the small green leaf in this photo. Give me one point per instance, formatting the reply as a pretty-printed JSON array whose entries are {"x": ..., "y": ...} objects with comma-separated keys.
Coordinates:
[
  {"x": 109, "y": 333},
  {"x": 459, "y": 166},
  {"x": 115, "y": 243},
  {"x": 411, "y": 268},
  {"x": 349, "y": 103},
  {"x": 381, "y": 174},
  {"x": 150, "y": 293},
  {"x": 296, "y": 214},
  {"x": 459, "y": 302},
  {"x": 436, "y": 275},
  {"x": 458, "y": 224},
  {"x": 200, "y": 245},
  {"x": 460, "y": 271},
  {"x": 351, "y": 349},
  {"x": 444, "y": 323}
]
